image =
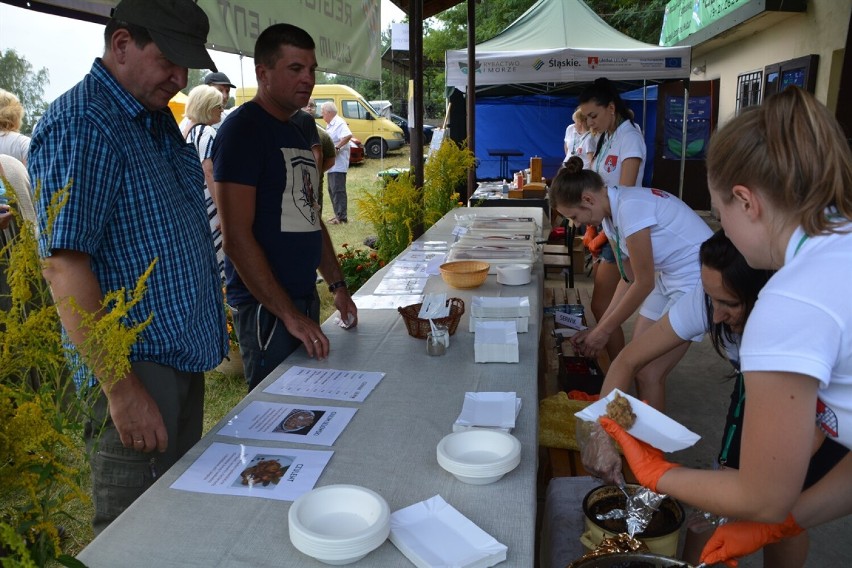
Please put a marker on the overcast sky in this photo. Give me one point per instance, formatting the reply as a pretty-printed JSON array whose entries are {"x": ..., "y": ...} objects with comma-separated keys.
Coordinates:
[{"x": 67, "y": 47}]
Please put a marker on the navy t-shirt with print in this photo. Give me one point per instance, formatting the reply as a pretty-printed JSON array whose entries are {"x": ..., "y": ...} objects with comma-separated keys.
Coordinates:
[{"x": 254, "y": 148}]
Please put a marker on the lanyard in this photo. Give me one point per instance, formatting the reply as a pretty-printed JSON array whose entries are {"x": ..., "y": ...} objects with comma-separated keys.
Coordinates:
[
  {"x": 801, "y": 242},
  {"x": 604, "y": 151},
  {"x": 618, "y": 258},
  {"x": 738, "y": 411}
]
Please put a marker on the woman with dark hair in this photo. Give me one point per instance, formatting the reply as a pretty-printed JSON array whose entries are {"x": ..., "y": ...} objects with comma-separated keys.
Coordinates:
[
  {"x": 619, "y": 158},
  {"x": 656, "y": 238},
  {"x": 780, "y": 177},
  {"x": 720, "y": 307}
]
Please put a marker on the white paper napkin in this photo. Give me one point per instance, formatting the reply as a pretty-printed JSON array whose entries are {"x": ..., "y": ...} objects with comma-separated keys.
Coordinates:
[
  {"x": 433, "y": 534},
  {"x": 651, "y": 426},
  {"x": 489, "y": 409}
]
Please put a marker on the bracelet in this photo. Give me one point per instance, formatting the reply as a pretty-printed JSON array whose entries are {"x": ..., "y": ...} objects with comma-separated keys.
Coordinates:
[{"x": 335, "y": 285}]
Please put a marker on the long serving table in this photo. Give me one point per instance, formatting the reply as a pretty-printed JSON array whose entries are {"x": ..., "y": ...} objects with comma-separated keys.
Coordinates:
[{"x": 389, "y": 446}]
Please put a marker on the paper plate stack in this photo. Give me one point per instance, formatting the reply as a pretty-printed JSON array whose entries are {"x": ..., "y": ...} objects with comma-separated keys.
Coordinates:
[
  {"x": 515, "y": 309},
  {"x": 479, "y": 457},
  {"x": 339, "y": 524}
]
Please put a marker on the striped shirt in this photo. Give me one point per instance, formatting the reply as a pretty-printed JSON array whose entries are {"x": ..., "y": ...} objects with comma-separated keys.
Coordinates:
[
  {"x": 201, "y": 137},
  {"x": 136, "y": 195}
]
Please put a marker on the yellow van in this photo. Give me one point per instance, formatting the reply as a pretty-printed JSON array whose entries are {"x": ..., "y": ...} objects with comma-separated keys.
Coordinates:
[{"x": 377, "y": 133}]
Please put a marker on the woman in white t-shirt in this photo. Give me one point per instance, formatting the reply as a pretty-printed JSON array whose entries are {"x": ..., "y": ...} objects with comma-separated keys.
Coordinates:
[
  {"x": 579, "y": 140},
  {"x": 655, "y": 237},
  {"x": 780, "y": 177},
  {"x": 619, "y": 158},
  {"x": 204, "y": 108},
  {"x": 719, "y": 307}
]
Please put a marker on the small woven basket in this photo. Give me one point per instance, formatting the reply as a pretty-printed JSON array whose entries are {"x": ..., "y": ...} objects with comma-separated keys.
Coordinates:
[
  {"x": 464, "y": 273},
  {"x": 420, "y": 328}
]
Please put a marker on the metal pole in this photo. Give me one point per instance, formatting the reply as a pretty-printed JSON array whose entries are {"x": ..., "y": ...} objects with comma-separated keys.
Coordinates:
[
  {"x": 471, "y": 91},
  {"x": 683, "y": 138},
  {"x": 416, "y": 122}
]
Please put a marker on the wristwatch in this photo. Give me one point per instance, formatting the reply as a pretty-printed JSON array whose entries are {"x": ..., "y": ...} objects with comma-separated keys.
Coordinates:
[{"x": 335, "y": 285}]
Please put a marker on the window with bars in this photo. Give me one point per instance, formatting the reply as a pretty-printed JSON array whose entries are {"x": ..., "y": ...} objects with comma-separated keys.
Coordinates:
[{"x": 748, "y": 90}]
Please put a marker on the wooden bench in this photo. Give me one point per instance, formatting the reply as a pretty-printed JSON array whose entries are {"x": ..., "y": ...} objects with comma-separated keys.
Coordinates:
[{"x": 560, "y": 462}]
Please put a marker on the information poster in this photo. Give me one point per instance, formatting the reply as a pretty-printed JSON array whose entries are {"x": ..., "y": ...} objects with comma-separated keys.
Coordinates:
[
  {"x": 254, "y": 471},
  {"x": 302, "y": 424},
  {"x": 326, "y": 383}
]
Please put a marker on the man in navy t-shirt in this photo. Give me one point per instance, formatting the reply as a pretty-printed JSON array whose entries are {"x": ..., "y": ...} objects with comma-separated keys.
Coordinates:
[{"x": 267, "y": 185}]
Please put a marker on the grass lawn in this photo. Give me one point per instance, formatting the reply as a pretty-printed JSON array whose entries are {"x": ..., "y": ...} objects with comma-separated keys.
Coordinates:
[{"x": 223, "y": 392}]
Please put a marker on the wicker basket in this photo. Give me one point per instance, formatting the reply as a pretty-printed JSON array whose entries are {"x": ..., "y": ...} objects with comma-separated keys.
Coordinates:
[
  {"x": 420, "y": 328},
  {"x": 464, "y": 273}
]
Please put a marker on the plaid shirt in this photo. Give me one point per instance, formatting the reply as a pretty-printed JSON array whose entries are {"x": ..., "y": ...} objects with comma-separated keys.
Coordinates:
[{"x": 137, "y": 194}]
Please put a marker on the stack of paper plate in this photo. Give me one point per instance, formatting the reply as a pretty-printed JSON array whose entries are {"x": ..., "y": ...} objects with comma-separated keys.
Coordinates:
[
  {"x": 479, "y": 457},
  {"x": 339, "y": 524},
  {"x": 515, "y": 309}
]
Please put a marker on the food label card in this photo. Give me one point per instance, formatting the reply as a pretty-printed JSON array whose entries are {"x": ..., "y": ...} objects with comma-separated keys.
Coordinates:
[
  {"x": 254, "y": 471},
  {"x": 302, "y": 424},
  {"x": 332, "y": 384}
]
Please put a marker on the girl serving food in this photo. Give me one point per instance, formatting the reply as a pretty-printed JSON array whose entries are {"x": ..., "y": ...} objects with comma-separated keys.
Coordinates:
[
  {"x": 789, "y": 210},
  {"x": 719, "y": 307},
  {"x": 655, "y": 238}
]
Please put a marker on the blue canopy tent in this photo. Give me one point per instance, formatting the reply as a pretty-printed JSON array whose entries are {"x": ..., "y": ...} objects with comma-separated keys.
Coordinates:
[
  {"x": 535, "y": 125},
  {"x": 528, "y": 76}
]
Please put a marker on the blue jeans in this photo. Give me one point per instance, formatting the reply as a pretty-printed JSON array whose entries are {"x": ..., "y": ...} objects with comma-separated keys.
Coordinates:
[{"x": 264, "y": 341}]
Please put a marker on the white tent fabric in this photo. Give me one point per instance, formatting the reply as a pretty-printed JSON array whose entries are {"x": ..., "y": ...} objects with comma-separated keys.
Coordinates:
[
  {"x": 564, "y": 41},
  {"x": 348, "y": 37}
]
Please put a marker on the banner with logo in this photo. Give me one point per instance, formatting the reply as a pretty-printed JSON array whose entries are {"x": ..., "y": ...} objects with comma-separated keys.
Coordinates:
[
  {"x": 347, "y": 33},
  {"x": 566, "y": 65},
  {"x": 685, "y": 17}
]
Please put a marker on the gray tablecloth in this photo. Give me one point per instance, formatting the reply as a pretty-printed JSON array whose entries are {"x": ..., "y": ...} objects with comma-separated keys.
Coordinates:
[{"x": 389, "y": 447}]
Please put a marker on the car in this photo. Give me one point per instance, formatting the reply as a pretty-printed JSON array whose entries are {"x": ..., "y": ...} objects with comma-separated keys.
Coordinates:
[
  {"x": 402, "y": 123},
  {"x": 356, "y": 151}
]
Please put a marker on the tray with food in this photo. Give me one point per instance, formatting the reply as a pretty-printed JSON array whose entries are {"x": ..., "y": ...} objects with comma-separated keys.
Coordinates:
[{"x": 650, "y": 425}]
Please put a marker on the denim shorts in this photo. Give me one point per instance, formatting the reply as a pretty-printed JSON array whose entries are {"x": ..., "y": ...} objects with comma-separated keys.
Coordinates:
[{"x": 607, "y": 254}]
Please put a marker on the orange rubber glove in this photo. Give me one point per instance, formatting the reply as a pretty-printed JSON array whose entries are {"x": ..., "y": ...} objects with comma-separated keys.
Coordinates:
[
  {"x": 597, "y": 243},
  {"x": 741, "y": 538},
  {"x": 589, "y": 235},
  {"x": 646, "y": 461}
]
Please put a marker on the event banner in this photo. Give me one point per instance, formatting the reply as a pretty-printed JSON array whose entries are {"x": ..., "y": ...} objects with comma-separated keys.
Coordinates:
[
  {"x": 565, "y": 65},
  {"x": 685, "y": 17},
  {"x": 347, "y": 32}
]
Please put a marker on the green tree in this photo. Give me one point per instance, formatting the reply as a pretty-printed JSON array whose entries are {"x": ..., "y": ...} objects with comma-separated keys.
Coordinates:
[
  {"x": 640, "y": 19},
  {"x": 17, "y": 76}
]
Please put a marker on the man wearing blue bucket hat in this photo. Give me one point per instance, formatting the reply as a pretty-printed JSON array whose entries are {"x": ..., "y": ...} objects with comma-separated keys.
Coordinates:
[{"x": 136, "y": 199}]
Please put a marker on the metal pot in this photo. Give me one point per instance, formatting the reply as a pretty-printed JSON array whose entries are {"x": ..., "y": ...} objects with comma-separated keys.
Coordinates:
[
  {"x": 630, "y": 560},
  {"x": 660, "y": 537}
]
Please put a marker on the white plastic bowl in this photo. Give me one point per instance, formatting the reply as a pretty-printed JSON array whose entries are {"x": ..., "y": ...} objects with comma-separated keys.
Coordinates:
[
  {"x": 339, "y": 524},
  {"x": 479, "y": 457}
]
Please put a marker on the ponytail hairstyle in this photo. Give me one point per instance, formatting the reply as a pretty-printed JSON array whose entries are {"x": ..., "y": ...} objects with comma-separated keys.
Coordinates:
[
  {"x": 571, "y": 181},
  {"x": 719, "y": 253},
  {"x": 601, "y": 92},
  {"x": 793, "y": 152}
]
